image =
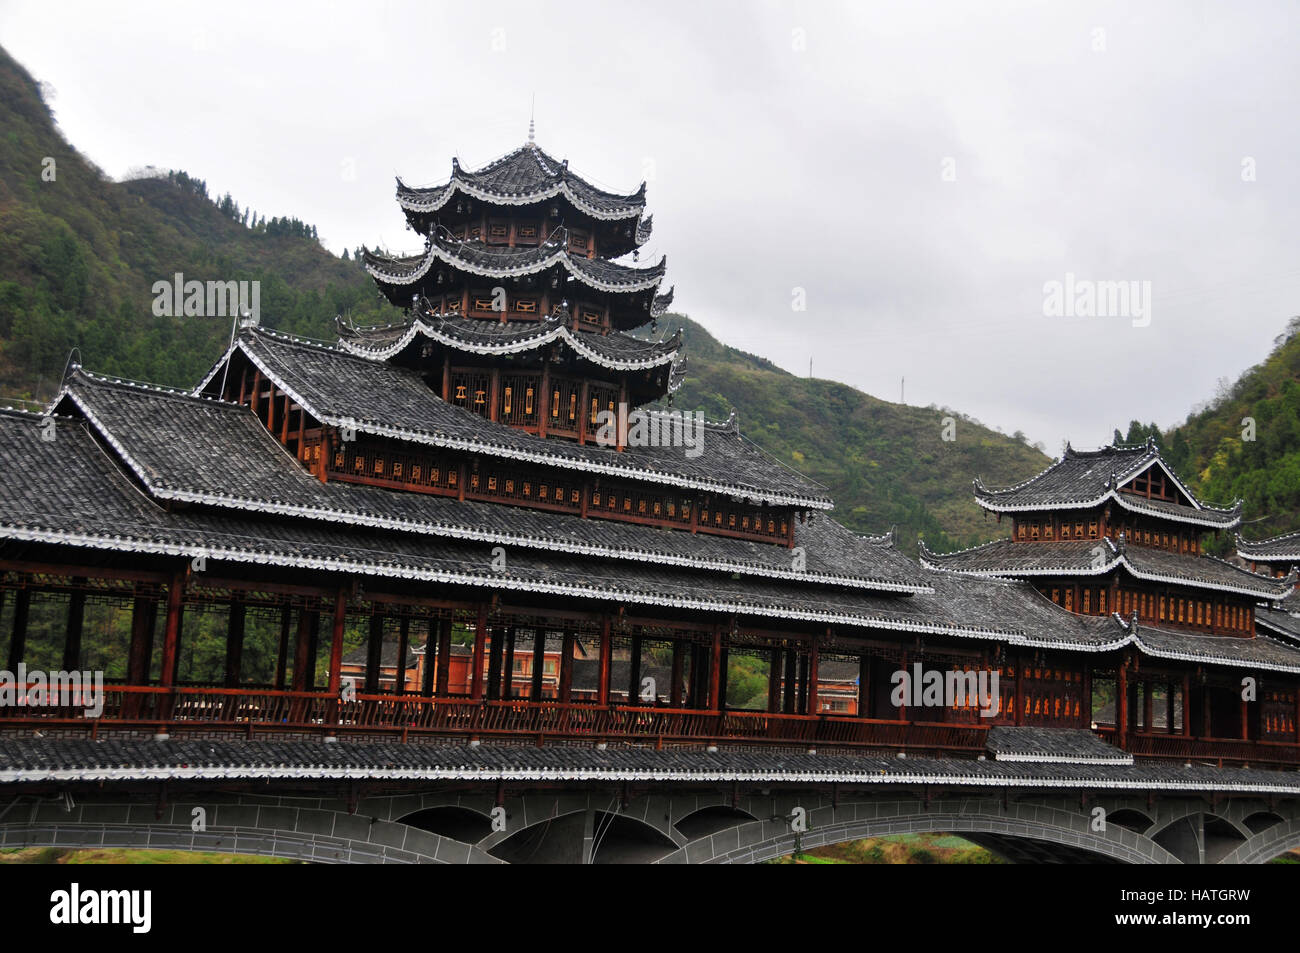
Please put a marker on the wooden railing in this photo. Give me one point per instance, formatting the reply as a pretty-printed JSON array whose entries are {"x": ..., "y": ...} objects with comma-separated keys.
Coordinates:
[
  {"x": 1218, "y": 751},
  {"x": 266, "y": 710}
]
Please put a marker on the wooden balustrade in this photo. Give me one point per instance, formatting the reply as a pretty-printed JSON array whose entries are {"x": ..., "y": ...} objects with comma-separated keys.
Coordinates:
[{"x": 267, "y": 711}]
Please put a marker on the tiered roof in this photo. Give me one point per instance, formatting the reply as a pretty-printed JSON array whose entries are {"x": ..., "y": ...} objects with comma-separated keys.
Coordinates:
[
  {"x": 384, "y": 400},
  {"x": 1099, "y": 557},
  {"x": 94, "y": 487},
  {"x": 1086, "y": 479},
  {"x": 526, "y": 176},
  {"x": 616, "y": 351},
  {"x": 1284, "y": 548}
]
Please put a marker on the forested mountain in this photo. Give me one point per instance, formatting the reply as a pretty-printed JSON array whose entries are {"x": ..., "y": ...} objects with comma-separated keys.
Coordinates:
[{"x": 1245, "y": 442}]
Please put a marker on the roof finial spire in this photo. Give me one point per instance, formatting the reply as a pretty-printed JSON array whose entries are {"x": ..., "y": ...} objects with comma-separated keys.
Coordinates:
[{"x": 532, "y": 109}]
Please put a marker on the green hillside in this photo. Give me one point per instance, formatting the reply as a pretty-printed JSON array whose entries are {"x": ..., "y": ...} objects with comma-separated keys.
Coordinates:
[
  {"x": 1210, "y": 449},
  {"x": 79, "y": 256}
]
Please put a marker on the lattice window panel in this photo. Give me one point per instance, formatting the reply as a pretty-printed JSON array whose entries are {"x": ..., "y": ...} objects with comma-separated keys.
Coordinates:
[
  {"x": 520, "y": 401},
  {"x": 471, "y": 390},
  {"x": 600, "y": 398},
  {"x": 565, "y": 412}
]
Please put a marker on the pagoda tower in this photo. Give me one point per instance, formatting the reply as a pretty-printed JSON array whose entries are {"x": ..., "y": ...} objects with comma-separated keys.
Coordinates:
[
  {"x": 518, "y": 309},
  {"x": 1115, "y": 531}
]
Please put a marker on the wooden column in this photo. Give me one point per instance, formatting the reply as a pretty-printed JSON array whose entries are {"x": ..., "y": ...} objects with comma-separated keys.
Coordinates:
[
  {"x": 803, "y": 683},
  {"x": 494, "y": 664},
  {"x": 1187, "y": 710},
  {"x": 1169, "y": 708},
  {"x": 902, "y": 709},
  {"x": 76, "y": 617},
  {"x": 679, "y": 663},
  {"x": 172, "y": 634},
  {"x": 566, "y": 667},
  {"x": 313, "y": 648},
  {"x": 1087, "y": 695},
  {"x": 722, "y": 678},
  {"x": 302, "y": 645},
  {"x": 582, "y": 414},
  {"x": 403, "y": 650},
  {"x": 235, "y": 618},
  {"x": 282, "y": 654},
  {"x": 539, "y": 665},
  {"x": 1245, "y": 720},
  {"x": 774, "y": 681},
  {"x": 1148, "y": 705},
  {"x": 634, "y": 674},
  {"x": 789, "y": 683},
  {"x": 1020, "y": 690},
  {"x": 430, "y": 660},
  {"x": 476, "y": 660},
  {"x": 813, "y": 708},
  {"x": 18, "y": 638},
  {"x": 508, "y": 673},
  {"x": 336, "y": 642},
  {"x": 864, "y": 686},
  {"x": 715, "y": 670},
  {"x": 444, "y": 658},
  {"x": 1121, "y": 703},
  {"x": 144, "y": 614},
  {"x": 602, "y": 687},
  {"x": 544, "y": 400},
  {"x": 374, "y": 653}
]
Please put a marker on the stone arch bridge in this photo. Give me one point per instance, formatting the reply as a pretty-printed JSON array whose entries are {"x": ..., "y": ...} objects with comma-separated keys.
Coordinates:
[{"x": 429, "y": 803}]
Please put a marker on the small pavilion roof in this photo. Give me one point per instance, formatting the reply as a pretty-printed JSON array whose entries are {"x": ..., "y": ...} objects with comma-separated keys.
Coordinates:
[
  {"x": 1282, "y": 548},
  {"x": 1099, "y": 557},
  {"x": 523, "y": 177},
  {"x": 1084, "y": 479}
]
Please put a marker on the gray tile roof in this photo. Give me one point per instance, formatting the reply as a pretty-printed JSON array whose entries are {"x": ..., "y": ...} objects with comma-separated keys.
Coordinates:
[
  {"x": 1282, "y": 548},
  {"x": 69, "y": 491},
  {"x": 1099, "y": 557},
  {"x": 615, "y": 351},
  {"x": 1053, "y": 745},
  {"x": 479, "y": 259},
  {"x": 1081, "y": 479},
  {"x": 341, "y": 389},
  {"x": 45, "y": 760},
  {"x": 199, "y": 450},
  {"x": 526, "y": 175}
]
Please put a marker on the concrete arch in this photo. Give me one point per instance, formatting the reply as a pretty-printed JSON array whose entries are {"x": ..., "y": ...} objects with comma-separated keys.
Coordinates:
[
  {"x": 1044, "y": 821},
  {"x": 298, "y": 829}
]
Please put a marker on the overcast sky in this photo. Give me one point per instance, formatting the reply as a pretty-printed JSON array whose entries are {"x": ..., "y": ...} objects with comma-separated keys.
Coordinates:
[{"x": 920, "y": 170}]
